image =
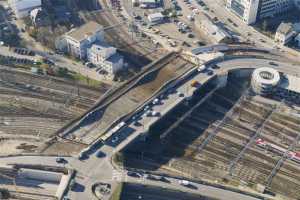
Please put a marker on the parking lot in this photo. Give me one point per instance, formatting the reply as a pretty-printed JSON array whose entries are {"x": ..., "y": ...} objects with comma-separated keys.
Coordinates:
[{"x": 171, "y": 33}]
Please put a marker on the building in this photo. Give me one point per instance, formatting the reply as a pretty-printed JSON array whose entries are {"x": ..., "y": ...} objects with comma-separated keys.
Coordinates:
[
  {"x": 264, "y": 80},
  {"x": 79, "y": 40},
  {"x": 289, "y": 88},
  {"x": 155, "y": 18},
  {"x": 251, "y": 10},
  {"x": 39, "y": 17},
  {"x": 147, "y": 3},
  {"x": 297, "y": 39},
  {"x": 215, "y": 33},
  {"x": 284, "y": 33},
  {"x": 269, "y": 82},
  {"x": 106, "y": 57},
  {"x": 22, "y": 8},
  {"x": 245, "y": 9}
]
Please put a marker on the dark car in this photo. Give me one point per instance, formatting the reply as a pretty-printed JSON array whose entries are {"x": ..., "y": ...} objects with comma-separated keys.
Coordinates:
[
  {"x": 151, "y": 177},
  {"x": 134, "y": 174},
  {"x": 164, "y": 179},
  {"x": 273, "y": 63},
  {"x": 100, "y": 154},
  {"x": 61, "y": 160},
  {"x": 210, "y": 72},
  {"x": 190, "y": 35},
  {"x": 215, "y": 67}
]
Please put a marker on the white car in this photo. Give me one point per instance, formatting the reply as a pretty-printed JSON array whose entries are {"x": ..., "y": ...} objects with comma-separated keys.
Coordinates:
[
  {"x": 184, "y": 182},
  {"x": 201, "y": 68},
  {"x": 115, "y": 139}
]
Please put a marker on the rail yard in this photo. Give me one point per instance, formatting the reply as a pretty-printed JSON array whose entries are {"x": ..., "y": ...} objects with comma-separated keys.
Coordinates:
[
  {"x": 34, "y": 107},
  {"x": 219, "y": 141}
]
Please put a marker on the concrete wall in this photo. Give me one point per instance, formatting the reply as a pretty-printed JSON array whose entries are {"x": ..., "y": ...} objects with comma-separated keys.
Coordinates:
[
  {"x": 242, "y": 73},
  {"x": 222, "y": 79},
  {"x": 40, "y": 175}
]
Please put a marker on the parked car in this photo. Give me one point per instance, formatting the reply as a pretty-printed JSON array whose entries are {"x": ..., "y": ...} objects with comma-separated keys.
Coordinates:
[
  {"x": 100, "y": 154},
  {"x": 61, "y": 160}
]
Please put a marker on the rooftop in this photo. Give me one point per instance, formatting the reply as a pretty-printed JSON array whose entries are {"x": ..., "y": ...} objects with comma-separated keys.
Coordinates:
[
  {"x": 115, "y": 58},
  {"x": 285, "y": 28},
  {"x": 87, "y": 29},
  {"x": 156, "y": 15},
  {"x": 291, "y": 83},
  {"x": 98, "y": 46},
  {"x": 213, "y": 30}
]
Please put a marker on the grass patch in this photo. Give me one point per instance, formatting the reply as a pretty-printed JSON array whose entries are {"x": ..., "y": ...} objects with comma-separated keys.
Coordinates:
[
  {"x": 116, "y": 195},
  {"x": 86, "y": 80}
]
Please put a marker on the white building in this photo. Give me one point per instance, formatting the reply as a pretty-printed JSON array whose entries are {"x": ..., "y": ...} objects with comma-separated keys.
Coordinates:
[
  {"x": 79, "y": 40},
  {"x": 251, "y": 10},
  {"x": 155, "y": 18},
  {"x": 22, "y": 8},
  {"x": 246, "y": 9},
  {"x": 106, "y": 57},
  {"x": 284, "y": 33}
]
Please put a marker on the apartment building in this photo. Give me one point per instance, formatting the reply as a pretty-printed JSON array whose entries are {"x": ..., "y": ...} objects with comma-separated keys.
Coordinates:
[
  {"x": 79, "y": 40},
  {"x": 106, "y": 57}
]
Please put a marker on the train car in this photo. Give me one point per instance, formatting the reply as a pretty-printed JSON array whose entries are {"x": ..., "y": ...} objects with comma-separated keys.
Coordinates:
[{"x": 294, "y": 156}]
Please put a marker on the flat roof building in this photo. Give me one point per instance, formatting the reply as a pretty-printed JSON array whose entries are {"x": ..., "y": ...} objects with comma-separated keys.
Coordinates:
[
  {"x": 155, "y": 18},
  {"x": 106, "y": 57},
  {"x": 214, "y": 32},
  {"x": 284, "y": 33},
  {"x": 78, "y": 40}
]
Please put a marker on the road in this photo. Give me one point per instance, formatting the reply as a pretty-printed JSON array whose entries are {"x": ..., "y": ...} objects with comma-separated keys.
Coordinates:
[
  {"x": 95, "y": 169},
  {"x": 243, "y": 31}
]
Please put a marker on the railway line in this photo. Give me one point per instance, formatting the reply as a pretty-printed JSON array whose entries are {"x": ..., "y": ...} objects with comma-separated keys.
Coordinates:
[
  {"x": 34, "y": 107},
  {"x": 122, "y": 38}
]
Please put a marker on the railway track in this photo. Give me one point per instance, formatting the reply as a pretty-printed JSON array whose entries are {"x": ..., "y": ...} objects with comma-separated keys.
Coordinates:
[
  {"x": 27, "y": 79},
  {"x": 121, "y": 38}
]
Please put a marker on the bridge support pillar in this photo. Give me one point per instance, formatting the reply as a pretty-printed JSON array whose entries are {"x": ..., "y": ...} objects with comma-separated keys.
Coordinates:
[{"x": 222, "y": 79}]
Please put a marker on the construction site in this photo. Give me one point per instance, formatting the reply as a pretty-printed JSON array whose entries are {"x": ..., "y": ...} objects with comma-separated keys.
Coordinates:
[
  {"x": 234, "y": 137},
  {"x": 34, "y": 107}
]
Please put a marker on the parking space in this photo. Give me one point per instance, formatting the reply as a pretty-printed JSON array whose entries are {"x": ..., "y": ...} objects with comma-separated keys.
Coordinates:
[
  {"x": 23, "y": 51},
  {"x": 172, "y": 32}
]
